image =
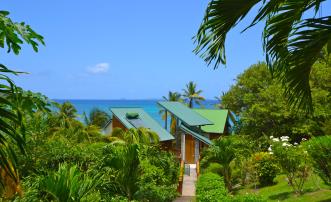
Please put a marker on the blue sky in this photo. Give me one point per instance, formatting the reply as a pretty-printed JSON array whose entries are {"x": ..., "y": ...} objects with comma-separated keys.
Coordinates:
[{"x": 109, "y": 49}]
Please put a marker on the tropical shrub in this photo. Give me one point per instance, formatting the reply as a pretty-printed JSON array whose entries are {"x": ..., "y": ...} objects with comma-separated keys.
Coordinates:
[
  {"x": 227, "y": 152},
  {"x": 210, "y": 188},
  {"x": 68, "y": 184},
  {"x": 293, "y": 160},
  {"x": 265, "y": 167},
  {"x": 213, "y": 168},
  {"x": 319, "y": 149}
]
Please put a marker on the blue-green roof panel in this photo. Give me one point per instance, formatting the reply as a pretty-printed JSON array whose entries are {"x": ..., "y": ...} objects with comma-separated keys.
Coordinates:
[
  {"x": 185, "y": 114},
  {"x": 145, "y": 119},
  {"x": 196, "y": 135}
]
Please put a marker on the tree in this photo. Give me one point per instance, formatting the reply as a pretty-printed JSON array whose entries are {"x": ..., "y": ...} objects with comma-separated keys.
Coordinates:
[
  {"x": 12, "y": 36},
  {"x": 219, "y": 104},
  {"x": 223, "y": 152},
  {"x": 97, "y": 117},
  {"x": 124, "y": 159},
  {"x": 292, "y": 40},
  {"x": 172, "y": 97},
  {"x": 191, "y": 94},
  {"x": 134, "y": 136},
  {"x": 66, "y": 113},
  {"x": 259, "y": 102}
]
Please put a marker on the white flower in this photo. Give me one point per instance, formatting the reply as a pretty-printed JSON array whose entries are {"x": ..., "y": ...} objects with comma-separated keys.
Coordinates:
[
  {"x": 285, "y": 144},
  {"x": 304, "y": 139},
  {"x": 295, "y": 144},
  {"x": 275, "y": 139},
  {"x": 271, "y": 152},
  {"x": 269, "y": 149},
  {"x": 271, "y": 137}
]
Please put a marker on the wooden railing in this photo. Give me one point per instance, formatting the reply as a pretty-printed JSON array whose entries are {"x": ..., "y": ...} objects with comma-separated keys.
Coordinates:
[
  {"x": 181, "y": 177},
  {"x": 198, "y": 168}
]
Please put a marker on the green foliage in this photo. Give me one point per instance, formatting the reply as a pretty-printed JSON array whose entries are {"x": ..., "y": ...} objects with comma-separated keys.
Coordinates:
[
  {"x": 210, "y": 188},
  {"x": 192, "y": 95},
  {"x": 293, "y": 160},
  {"x": 292, "y": 40},
  {"x": 213, "y": 168},
  {"x": 12, "y": 35},
  {"x": 141, "y": 172},
  {"x": 133, "y": 136},
  {"x": 266, "y": 168},
  {"x": 124, "y": 160},
  {"x": 247, "y": 198},
  {"x": 259, "y": 102},
  {"x": 68, "y": 184},
  {"x": 159, "y": 176},
  {"x": 225, "y": 151},
  {"x": 97, "y": 117},
  {"x": 319, "y": 149}
]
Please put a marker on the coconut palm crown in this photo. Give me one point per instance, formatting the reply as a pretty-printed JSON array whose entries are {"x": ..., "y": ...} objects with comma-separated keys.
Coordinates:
[{"x": 192, "y": 95}]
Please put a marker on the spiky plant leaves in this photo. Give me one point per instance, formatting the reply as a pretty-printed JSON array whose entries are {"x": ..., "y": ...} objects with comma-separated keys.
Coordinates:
[{"x": 69, "y": 184}]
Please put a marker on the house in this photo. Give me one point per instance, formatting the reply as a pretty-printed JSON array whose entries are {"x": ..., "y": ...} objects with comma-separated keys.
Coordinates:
[
  {"x": 121, "y": 119},
  {"x": 195, "y": 128}
]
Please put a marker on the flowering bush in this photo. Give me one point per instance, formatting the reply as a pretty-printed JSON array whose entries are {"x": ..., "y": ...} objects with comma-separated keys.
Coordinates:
[
  {"x": 293, "y": 160},
  {"x": 266, "y": 167}
]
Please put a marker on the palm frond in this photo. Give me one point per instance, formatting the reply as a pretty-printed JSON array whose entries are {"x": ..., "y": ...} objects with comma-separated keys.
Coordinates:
[{"x": 220, "y": 17}]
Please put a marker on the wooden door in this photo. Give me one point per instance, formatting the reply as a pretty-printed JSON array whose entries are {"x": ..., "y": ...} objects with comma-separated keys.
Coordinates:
[{"x": 189, "y": 149}]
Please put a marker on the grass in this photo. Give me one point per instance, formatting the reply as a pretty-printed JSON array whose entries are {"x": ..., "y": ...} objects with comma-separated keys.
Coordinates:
[{"x": 314, "y": 190}]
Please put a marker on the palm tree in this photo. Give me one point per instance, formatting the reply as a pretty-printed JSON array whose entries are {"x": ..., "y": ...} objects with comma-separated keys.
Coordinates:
[
  {"x": 97, "y": 117},
  {"x": 223, "y": 153},
  {"x": 69, "y": 184},
  {"x": 124, "y": 159},
  {"x": 66, "y": 113},
  {"x": 219, "y": 101},
  {"x": 191, "y": 94},
  {"x": 172, "y": 97},
  {"x": 292, "y": 40},
  {"x": 134, "y": 136}
]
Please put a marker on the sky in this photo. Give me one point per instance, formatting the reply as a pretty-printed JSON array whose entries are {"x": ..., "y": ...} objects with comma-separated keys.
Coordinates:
[{"x": 110, "y": 49}]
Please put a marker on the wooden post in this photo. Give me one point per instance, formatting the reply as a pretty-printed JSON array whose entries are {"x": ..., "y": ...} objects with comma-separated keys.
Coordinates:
[{"x": 166, "y": 120}]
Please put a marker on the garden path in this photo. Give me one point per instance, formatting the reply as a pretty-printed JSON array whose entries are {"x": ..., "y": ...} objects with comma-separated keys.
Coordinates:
[{"x": 189, "y": 180}]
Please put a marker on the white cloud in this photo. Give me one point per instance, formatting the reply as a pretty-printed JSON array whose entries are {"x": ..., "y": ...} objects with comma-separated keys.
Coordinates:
[{"x": 99, "y": 68}]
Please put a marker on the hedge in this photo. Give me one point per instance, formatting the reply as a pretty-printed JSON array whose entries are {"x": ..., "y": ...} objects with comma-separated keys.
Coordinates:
[{"x": 210, "y": 187}]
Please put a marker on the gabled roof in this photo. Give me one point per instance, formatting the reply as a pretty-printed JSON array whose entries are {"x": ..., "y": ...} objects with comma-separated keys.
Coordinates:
[
  {"x": 145, "y": 121},
  {"x": 196, "y": 135},
  {"x": 217, "y": 116},
  {"x": 185, "y": 114}
]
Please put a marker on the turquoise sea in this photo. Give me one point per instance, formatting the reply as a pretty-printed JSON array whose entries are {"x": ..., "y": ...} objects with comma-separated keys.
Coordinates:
[{"x": 150, "y": 106}]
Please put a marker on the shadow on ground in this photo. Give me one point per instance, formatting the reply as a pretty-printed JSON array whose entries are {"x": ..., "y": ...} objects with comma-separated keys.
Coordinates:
[{"x": 280, "y": 196}]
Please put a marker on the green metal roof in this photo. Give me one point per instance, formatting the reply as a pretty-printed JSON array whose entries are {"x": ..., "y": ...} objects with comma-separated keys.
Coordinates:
[
  {"x": 185, "y": 114},
  {"x": 146, "y": 120},
  {"x": 196, "y": 135},
  {"x": 217, "y": 116}
]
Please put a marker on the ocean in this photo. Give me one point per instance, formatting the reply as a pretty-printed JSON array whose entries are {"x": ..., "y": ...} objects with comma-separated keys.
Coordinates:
[{"x": 150, "y": 106}]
